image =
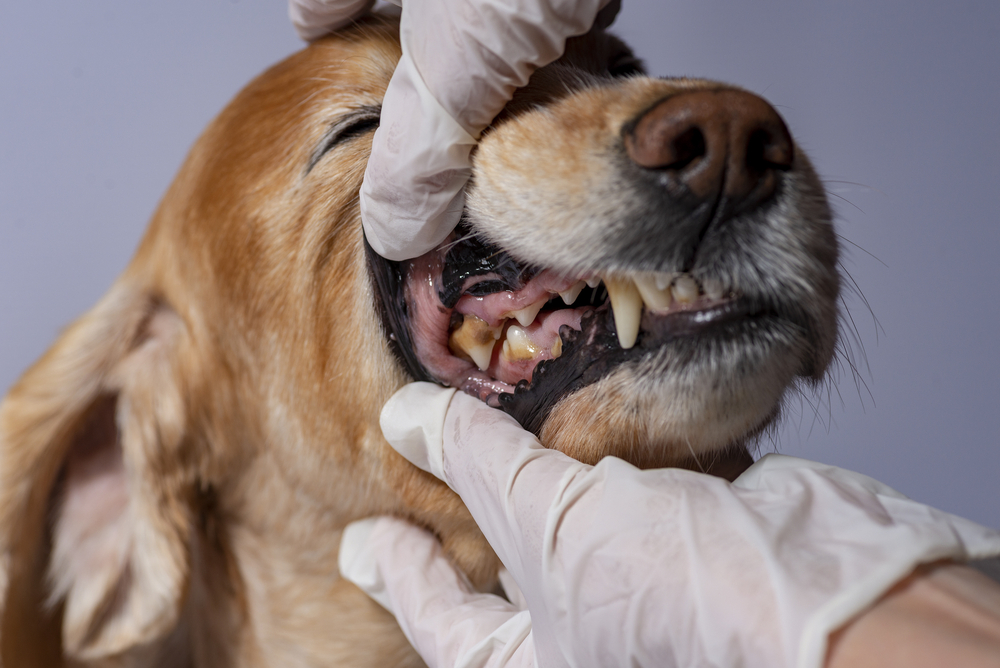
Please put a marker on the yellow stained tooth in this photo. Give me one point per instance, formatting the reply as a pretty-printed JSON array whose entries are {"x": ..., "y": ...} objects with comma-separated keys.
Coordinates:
[
  {"x": 517, "y": 346},
  {"x": 685, "y": 289},
  {"x": 526, "y": 315},
  {"x": 557, "y": 348},
  {"x": 570, "y": 294},
  {"x": 474, "y": 340},
  {"x": 653, "y": 296},
  {"x": 626, "y": 305}
]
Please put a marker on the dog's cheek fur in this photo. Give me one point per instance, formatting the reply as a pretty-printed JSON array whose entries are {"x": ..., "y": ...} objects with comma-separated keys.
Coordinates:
[
  {"x": 314, "y": 348},
  {"x": 666, "y": 410},
  {"x": 220, "y": 406}
]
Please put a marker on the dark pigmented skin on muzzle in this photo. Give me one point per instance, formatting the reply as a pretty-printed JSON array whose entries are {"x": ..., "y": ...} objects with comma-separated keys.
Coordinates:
[
  {"x": 588, "y": 355},
  {"x": 389, "y": 280},
  {"x": 471, "y": 256}
]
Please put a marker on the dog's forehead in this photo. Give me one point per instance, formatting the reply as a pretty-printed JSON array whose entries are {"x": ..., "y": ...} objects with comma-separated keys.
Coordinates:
[
  {"x": 353, "y": 68},
  {"x": 290, "y": 106},
  {"x": 247, "y": 178}
]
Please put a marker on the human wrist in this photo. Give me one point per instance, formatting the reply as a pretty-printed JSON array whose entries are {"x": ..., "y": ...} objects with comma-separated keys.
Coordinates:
[{"x": 953, "y": 610}]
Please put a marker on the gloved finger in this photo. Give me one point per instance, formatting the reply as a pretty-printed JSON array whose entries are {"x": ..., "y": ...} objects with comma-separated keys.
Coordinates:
[
  {"x": 462, "y": 61},
  {"x": 412, "y": 422},
  {"x": 506, "y": 478},
  {"x": 315, "y": 18},
  {"x": 449, "y": 624}
]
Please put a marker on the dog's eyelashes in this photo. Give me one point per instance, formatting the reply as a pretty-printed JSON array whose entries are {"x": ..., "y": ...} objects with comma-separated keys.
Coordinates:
[
  {"x": 626, "y": 65},
  {"x": 343, "y": 129}
]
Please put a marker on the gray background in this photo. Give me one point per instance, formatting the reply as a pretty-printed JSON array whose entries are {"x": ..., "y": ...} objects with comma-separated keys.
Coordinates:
[{"x": 898, "y": 104}]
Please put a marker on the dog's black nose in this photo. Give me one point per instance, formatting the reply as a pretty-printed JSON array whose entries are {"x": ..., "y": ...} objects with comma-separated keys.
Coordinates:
[{"x": 714, "y": 142}]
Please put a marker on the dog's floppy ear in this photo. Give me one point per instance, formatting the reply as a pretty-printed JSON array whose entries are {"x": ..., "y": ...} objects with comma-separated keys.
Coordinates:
[{"x": 95, "y": 502}]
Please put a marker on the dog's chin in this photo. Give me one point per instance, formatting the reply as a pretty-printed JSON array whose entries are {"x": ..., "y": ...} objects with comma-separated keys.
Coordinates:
[{"x": 697, "y": 402}]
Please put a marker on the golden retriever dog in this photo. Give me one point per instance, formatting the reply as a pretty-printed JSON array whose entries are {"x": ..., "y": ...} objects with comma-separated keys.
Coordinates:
[{"x": 643, "y": 269}]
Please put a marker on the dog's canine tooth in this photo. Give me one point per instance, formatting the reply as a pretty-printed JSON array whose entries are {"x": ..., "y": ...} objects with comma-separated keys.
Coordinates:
[
  {"x": 569, "y": 295},
  {"x": 685, "y": 289},
  {"x": 626, "y": 304},
  {"x": 526, "y": 315},
  {"x": 475, "y": 339},
  {"x": 517, "y": 346},
  {"x": 655, "y": 297}
]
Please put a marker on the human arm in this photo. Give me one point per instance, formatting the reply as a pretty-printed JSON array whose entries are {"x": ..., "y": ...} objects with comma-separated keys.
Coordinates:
[
  {"x": 671, "y": 567},
  {"x": 943, "y": 614}
]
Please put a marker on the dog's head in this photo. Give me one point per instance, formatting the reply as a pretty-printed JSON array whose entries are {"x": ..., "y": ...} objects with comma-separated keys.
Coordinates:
[{"x": 643, "y": 268}]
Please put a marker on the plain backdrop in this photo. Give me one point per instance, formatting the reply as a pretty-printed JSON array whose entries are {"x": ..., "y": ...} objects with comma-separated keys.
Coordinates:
[{"x": 898, "y": 104}]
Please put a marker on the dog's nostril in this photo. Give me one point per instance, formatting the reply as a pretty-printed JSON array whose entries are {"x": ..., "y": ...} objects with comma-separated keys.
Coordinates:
[
  {"x": 685, "y": 149},
  {"x": 714, "y": 143},
  {"x": 769, "y": 148},
  {"x": 665, "y": 139}
]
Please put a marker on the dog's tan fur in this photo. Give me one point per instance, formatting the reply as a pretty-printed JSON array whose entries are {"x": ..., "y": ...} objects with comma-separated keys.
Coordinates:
[{"x": 176, "y": 471}]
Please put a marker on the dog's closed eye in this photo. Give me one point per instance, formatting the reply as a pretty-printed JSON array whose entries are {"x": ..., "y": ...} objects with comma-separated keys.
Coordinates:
[{"x": 343, "y": 129}]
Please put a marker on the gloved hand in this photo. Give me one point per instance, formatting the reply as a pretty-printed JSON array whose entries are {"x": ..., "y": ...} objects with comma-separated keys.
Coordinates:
[
  {"x": 620, "y": 566},
  {"x": 462, "y": 61}
]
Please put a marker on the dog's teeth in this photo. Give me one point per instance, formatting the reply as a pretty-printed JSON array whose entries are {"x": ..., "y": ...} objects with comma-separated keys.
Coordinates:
[
  {"x": 593, "y": 281},
  {"x": 557, "y": 348},
  {"x": 569, "y": 295},
  {"x": 517, "y": 346},
  {"x": 526, "y": 315},
  {"x": 685, "y": 289},
  {"x": 655, "y": 297},
  {"x": 626, "y": 304},
  {"x": 663, "y": 280},
  {"x": 713, "y": 288},
  {"x": 475, "y": 339}
]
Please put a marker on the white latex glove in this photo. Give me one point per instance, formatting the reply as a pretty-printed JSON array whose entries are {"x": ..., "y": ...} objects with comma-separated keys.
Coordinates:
[
  {"x": 462, "y": 61},
  {"x": 621, "y": 566},
  {"x": 315, "y": 18}
]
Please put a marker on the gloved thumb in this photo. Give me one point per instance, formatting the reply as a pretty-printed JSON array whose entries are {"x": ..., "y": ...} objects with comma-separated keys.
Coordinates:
[
  {"x": 413, "y": 423},
  {"x": 449, "y": 624}
]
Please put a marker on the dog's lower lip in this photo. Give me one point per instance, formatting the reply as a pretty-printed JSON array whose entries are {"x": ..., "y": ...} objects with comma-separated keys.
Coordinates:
[
  {"x": 658, "y": 330},
  {"x": 686, "y": 323}
]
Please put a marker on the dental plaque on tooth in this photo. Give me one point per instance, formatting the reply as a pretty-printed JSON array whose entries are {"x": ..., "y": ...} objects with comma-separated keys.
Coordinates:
[
  {"x": 474, "y": 339},
  {"x": 518, "y": 346}
]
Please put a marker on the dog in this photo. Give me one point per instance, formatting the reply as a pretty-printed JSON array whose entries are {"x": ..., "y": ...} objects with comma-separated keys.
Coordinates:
[{"x": 643, "y": 269}]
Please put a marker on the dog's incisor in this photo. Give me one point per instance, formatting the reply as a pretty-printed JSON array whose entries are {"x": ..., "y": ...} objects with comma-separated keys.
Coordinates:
[{"x": 177, "y": 469}]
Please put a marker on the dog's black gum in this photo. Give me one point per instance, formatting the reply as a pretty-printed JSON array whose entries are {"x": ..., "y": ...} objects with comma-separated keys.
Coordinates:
[{"x": 389, "y": 282}]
